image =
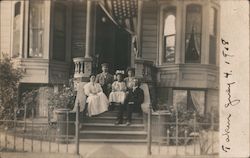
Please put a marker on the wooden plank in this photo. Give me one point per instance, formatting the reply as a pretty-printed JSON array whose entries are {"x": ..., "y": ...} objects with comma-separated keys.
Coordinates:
[
  {"x": 149, "y": 15},
  {"x": 151, "y": 21},
  {"x": 149, "y": 49},
  {"x": 150, "y": 38},
  {"x": 149, "y": 27},
  {"x": 153, "y": 45},
  {"x": 149, "y": 32}
]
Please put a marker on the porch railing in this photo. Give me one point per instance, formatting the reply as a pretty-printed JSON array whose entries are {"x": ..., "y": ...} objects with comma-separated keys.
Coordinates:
[
  {"x": 79, "y": 67},
  {"x": 177, "y": 138},
  {"x": 83, "y": 67},
  {"x": 32, "y": 135}
]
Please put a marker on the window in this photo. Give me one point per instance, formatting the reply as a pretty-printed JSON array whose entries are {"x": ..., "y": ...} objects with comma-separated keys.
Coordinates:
[
  {"x": 16, "y": 30},
  {"x": 36, "y": 28},
  {"x": 193, "y": 34},
  {"x": 169, "y": 35},
  {"x": 59, "y": 43},
  {"x": 193, "y": 100},
  {"x": 212, "y": 35}
]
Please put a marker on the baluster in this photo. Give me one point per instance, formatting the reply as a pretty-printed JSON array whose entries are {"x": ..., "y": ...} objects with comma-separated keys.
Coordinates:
[
  {"x": 176, "y": 133},
  {"x": 82, "y": 64},
  {"x": 58, "y": 132},
  {"x": 194, "y": 133},
  {"x": 0, "y": 140},
  {"x": 159, "y": 133},
  {"x": 67, "y": 132},
  {"x": 212, "y": 131},
  {"x": 15, "y": 110},
  {"x": 32, "y": 121},
  {"x": 41, "y": 132},
  {"x": 77, "y": 130},
  {"x": 149, "y": 130},
  {"x": 50, "y": 143},
  {"x": 185, "y": 135},
  {"x": 6, "y": 139},
  {"x": 168, "y": 140},
  {"x": 23, "y": 137},
  {"x": 77, "y": 67}
]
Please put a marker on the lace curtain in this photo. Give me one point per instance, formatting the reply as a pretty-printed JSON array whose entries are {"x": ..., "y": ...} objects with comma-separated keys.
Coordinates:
[{"x": 198, "y": 99}]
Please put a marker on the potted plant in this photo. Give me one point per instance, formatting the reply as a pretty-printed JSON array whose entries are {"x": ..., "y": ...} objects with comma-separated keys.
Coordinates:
[{"x": 62, "y": 98}]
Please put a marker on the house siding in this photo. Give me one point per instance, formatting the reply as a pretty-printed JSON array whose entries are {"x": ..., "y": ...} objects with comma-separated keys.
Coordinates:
[
  {"x": 78, "y": 28},
  {"x": 149, "y": 31},
  {"x": 5, "y": 27}
]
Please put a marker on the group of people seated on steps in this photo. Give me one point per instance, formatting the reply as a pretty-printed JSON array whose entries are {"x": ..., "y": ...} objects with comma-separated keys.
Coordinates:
[{"x": 105, "y": 92}]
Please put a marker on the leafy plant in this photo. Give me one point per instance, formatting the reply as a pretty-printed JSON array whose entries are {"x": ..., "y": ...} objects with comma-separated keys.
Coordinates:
[
  {"x": 9, "y": 81},
  {"x": 63, "y": 98},
  {"x": 28, "y": 102},
  {"x": 190, "y": 123}
]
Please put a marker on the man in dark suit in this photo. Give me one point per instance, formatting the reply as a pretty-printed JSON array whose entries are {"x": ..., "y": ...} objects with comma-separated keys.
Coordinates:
[
  {"x": 134, "y": 99},
  {"x": 105, "y": 79}
]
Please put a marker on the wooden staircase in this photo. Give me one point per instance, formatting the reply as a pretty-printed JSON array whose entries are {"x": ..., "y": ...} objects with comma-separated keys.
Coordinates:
[{"x": 101, "y": 128}]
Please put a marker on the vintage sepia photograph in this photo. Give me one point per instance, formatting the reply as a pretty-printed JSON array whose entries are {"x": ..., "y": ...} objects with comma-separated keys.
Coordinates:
[{"x": 124, "y": 78}]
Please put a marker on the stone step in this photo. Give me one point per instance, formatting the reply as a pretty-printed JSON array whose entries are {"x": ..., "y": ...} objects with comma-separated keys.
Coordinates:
[
  {"x": 115, "y": 113},
  {"x": 109, "y": 119},
  {"x": 95, "y": 134},
  {"x": 114, "y": 140},
  {"x": 112, "y": 127}
]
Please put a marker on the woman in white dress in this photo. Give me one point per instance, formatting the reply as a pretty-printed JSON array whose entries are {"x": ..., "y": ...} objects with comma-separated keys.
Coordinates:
[
  {"x": 118, "y": 93},
  {"x": 97, "y": 100}
]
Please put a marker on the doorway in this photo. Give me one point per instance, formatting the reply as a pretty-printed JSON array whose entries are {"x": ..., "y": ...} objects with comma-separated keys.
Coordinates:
[{"x": 112, "y": 44}]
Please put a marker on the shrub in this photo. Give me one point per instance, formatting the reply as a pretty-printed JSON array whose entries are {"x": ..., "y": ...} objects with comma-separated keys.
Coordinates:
[
  {"x": 9, "y": 81},
  {"x": 63, "y": 98},
  {"x": 186, "y": 123},
  {"x": 28, "y": 102}
]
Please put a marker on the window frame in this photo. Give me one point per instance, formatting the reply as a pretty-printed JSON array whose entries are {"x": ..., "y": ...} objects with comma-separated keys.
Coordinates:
[
  {"x": 213, "y": 61},
  {"x": 170, "y": 10},
  {"x": 14, "y": 29},
  {"x": 200, "y": 33},
  {"x": 43, "y": 28},
  {"x": 188, "y": 90},
  {"x": 21, "y": 29},
  {"x": 161, "y": 22}
]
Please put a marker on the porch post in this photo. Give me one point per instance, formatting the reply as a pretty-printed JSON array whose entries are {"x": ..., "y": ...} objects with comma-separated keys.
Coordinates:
[
  {"x": 88, "y": 29},
  {"x": 139, "y": 28},
  {"x": 87, "y": 58},
  {"x": 138, "y": 62}
]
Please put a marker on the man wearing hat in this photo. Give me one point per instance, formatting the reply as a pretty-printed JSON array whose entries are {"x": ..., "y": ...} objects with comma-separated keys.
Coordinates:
[
  {"x": 105, "y": 79},
  {"x": 130, "y": 79}
]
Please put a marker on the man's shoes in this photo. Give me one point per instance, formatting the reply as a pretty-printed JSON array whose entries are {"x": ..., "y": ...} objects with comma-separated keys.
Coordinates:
[
  {"x": 118, "y": 122},
  {"x": 128, "y": 123}
]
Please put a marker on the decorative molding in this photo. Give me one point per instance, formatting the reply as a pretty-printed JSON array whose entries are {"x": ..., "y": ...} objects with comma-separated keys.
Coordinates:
[
  {"x": 193, "y": 76},
  {"x": 35, "y": 71},
  {"x": 211, "y": 77},
  {"x": 188, "y": 75},
  {"x": 168, "y": 76}
]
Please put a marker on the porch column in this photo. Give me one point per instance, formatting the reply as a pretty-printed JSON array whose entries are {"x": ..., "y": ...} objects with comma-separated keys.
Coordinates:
[
  {"x": 139, "y": 28},
  {"x": 139, "y": 71},
  {"x": 88, "y": 29},
  {"x": 87, "y": 58}
]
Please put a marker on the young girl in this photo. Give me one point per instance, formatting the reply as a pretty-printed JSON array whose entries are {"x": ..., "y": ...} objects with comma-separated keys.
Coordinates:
[{"x": 118, "y": 93}]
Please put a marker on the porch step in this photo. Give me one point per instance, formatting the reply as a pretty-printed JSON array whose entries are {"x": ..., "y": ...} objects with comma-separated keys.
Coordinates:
[
  {"x": 109, "y": 119},
  {"x": 115, "y": 113},
  {"x": 112, "y": 127},
  {"x": 97, "y": 134},
  {"x": 115, "y": 140},
  {"x": 101, "y": 128}
]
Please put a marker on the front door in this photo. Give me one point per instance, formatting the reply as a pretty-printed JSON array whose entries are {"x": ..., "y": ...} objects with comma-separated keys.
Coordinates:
[{"x": 112, "y": 44}]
